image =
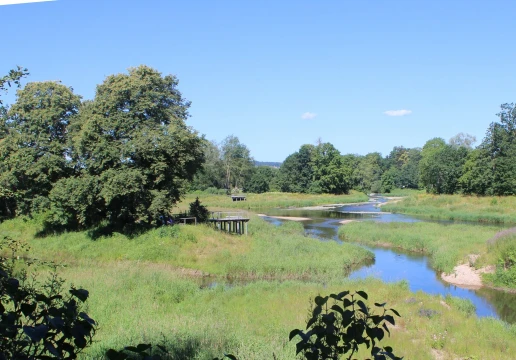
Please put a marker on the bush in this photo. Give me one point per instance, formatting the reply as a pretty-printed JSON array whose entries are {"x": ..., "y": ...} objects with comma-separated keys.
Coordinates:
[
  {"x": 39, "y": 321},
  {"x": 463, "y": 305},
  {"x": 502, "y": 249},
  {"x": 339, "y": 330},
  {"x": 200, "y": 211}
]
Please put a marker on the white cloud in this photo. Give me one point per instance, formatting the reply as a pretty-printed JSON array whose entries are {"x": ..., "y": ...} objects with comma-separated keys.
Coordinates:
[
  {"x": 15, "y": 2},
  {"x": 308, "y": 115},
  {"x": 398, "y": 112}
]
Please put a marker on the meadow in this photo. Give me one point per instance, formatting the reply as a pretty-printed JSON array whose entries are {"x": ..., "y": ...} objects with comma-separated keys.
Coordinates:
[
  {"x": 271, "y": 200},
  {"x": 445, "y": 244},
  {"x": 267, "y": 252},
  {"x": 403, "y": 192},
  {"x": 502, "y": 253},
  {"x": 141, "y": 303},
  {"x": 488, "y": 209},
  {"x": 202, "y": 293}
]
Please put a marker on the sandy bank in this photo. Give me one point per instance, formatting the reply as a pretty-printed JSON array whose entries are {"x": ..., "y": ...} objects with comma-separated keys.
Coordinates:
[
  {"x": 328, "y": 206},
  {"x": 466, "y": 276},
  {"x": 293, "y": 218},
  {"x": 344, "y": 222},
  {"x": 391, "y": 200}
]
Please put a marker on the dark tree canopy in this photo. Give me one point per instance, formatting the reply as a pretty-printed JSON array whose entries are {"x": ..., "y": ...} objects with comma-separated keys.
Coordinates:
[
  {"x": 295, "y": 174},
  {"x": 132, "y": 152},
  {"x": 315, "y": 169},
  {"x": 261, "y": 179},
  {"x": 441, "y": 166},
  {"x": 491, "y": 168},
  {"x": 33, "y": 152}
]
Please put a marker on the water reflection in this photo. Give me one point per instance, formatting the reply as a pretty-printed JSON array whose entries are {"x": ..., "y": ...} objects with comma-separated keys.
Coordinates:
[{"x": 394, "y": 265}]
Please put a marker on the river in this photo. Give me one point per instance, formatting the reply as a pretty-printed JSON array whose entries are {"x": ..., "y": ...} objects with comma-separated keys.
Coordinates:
[{"x": 394, "y": 265}]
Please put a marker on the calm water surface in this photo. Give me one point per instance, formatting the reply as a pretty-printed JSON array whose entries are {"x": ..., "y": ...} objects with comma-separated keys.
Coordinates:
[{"x": 395, "y": 265}]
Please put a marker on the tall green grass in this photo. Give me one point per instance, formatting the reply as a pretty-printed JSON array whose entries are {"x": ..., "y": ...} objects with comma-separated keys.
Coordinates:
[
  {"x": 268, "y": 252},
  {"x": 502, "y": 253},
  {"x": 446, "y": 245},
  {"x": 285, "y": 251},
  {"x": 136, "y": 303},
  {"x": 489, "y": 209},
  {"x": 272, "y": 200},
  {"x": 403, "y": 192},
  {"x": 139, "y": 292}
]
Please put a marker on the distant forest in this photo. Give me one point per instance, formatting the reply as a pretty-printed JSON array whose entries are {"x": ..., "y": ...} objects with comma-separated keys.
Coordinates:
[
  {"x": 127, "y": 156},
  {"x": 267, "y": 163},
  {"x": 439, "y": 167}
]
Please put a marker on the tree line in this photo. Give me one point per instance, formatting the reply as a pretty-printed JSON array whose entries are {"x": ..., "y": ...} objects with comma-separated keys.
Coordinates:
[
  {"x": 439, "y": 167},
  {"x": 127, "y": 157}
]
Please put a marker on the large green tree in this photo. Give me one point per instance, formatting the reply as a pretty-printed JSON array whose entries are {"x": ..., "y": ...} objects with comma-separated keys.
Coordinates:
[
  {"x": 402, "y": 168},
  {"x": 13, "y": 78},
  {"x": 441, "y": 166},
  {"x": 33, "y": 153},
  {"x": 132, "y": 151},
  {"x": 330, "y": 175},
  {"x": 295, "y": 174},
  {"x": 368, "y": 173},
  {"x": 212, "y": 174},
  {"x": 491, "y": 168},
  {"x": 261, "y": 179},
  {"x": 237, "y": 161}
]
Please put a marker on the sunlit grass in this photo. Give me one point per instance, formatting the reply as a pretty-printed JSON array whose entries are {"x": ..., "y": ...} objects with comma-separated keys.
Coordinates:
[
  {"x": 135, "y": 303},
  {"x": 502, "y": 254},
  {"x": 271, "y": 200},
  {"x": 141, "y": 291},
  {"x": 403, "y": 192},
  {"x": 267, "y": 252},
  {"x": 489, "y": 209},
  {"x": 446, "y": 245}
]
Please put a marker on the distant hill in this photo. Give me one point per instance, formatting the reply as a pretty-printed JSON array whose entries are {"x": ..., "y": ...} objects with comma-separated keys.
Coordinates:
[{"x": 267, "y": 163}]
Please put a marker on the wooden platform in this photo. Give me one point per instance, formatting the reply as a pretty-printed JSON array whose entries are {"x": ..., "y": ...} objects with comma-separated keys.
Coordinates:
[
  {"x": 238, "y": 197},
  {"x": 232, "y": 222}
]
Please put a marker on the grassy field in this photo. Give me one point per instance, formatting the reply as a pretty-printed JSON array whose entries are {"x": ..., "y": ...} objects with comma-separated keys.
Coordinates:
[
  {"x": 502, "y": 254},
  {"x": 495, "y": 209},
  {"x": 136, "y": 303},
  {"x": 446, "y": 245},
  {"x": 403, "y": 192},
  {"x": 271, "y": 200},
  {"x": 145, "y": 289},
  {"x": 153, "y": 288},
  {"x": 269, "y": 251}
]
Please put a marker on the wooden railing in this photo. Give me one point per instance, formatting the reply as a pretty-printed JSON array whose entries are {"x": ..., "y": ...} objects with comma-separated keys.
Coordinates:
[{"x": 228, "y": 215}]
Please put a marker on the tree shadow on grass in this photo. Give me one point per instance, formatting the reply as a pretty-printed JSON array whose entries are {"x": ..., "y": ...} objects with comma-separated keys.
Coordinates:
[{"x": 94, "y": 233}]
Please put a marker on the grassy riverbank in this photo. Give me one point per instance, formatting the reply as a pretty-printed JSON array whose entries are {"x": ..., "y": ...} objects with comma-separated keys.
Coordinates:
[
  {"x": 138, "y": 303},
  {"x": 495, "y": 209},
  {"x": 272, "y": 200},
  {"x": 403, "y": 192},
  {"x": 269, "y": 251},
  {"x": 446, "y": 245},
  {"x": 502, "y": 253},
  {"x": 147, "y": 289}
]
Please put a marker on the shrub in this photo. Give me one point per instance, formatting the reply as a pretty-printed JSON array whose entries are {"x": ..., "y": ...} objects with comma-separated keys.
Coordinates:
[
  {"x": 200, "y": 211},
  {"x": 339, "y": 330},
  {"x": 39, "y": 321}
]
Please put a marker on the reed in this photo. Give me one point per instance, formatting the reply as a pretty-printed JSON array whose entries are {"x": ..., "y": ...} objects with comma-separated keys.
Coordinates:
[
  {"x": 488, "y": 209},
  {"x": 446, "y": 245}
]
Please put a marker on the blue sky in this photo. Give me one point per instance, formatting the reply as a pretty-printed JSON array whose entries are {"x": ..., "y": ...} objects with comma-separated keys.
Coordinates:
[{"x": 279, "y": 74}]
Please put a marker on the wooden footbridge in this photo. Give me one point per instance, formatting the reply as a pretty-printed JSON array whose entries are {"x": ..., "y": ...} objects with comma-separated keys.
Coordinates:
[{"x": 232, "y": 222}]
